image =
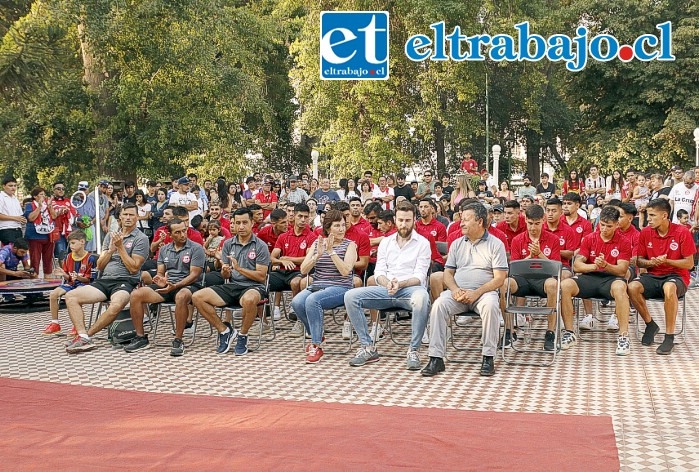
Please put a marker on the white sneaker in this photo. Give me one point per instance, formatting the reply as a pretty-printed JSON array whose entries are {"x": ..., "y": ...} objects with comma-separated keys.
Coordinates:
[
  {"x": 347, "y": 329},
  {"x": 257, "y": 327},
  {"x": 623, "y": 346},
  {"x": 277, "y": 314},
  {"x": 613, "y": 324},
  {"x": 297, "y": 330},
  {"x": 568, "y": 340},
  {"x": 425, "y": 337},
  {"x": 587, "y": 323},
  {"x": 376, "y": 332},
  {"x": 461, "y": 320}
]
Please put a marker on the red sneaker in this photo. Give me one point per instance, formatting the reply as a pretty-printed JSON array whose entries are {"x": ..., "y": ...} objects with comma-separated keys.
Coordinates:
[
  {"x": 308, "y": 346},
  {"x": 52, "y": 329},
  {"x": 314, "y": 354}
]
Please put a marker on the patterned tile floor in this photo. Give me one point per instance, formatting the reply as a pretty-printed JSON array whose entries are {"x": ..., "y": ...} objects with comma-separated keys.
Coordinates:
[{"x": 652, "y": 399}]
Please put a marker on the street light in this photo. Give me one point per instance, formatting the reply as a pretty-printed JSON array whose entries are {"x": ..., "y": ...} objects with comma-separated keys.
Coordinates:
[
  {"x": 496, "y": 164},
  {"x": 696, "y": 143},
  {"x": 314, "y": 156}
]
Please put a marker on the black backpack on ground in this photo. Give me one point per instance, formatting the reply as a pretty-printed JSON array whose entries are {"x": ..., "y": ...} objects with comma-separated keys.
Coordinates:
[{"x": 121, "y": 331}]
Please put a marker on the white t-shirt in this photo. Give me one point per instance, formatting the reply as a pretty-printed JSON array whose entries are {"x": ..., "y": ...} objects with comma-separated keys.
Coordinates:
[
  {"x": 177, "y": 199},
  {"x": 377, "y": 193},
  {"x": 143, "y": 211},
  {"x": 683, "y": 198},
  {"x": 10, "y": 206}
]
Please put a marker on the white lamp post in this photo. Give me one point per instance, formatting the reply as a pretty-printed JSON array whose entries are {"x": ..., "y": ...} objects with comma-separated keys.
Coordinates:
[
  {"x": 496, "y": 164},
  {"x": 696, "y": 143},
  {"x": 314, "y": 156}
]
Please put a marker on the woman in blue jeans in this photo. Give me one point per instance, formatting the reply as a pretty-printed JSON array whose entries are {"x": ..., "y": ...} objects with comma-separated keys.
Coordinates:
[{"x": 333, "y": 258}]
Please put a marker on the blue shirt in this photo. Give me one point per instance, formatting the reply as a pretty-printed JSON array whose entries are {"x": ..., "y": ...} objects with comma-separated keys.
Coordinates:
[
  {"x": 30, "y": 231},
  {"x": 324, "y": 197},
  {"x": 10, "y": 259}
]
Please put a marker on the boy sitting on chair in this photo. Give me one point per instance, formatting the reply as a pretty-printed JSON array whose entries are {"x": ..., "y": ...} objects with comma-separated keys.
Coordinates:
[{"x": 76, "y": 272}]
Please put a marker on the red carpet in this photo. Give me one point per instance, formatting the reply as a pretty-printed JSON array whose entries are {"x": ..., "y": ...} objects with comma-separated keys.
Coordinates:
[{"x": 48, "y": 425}]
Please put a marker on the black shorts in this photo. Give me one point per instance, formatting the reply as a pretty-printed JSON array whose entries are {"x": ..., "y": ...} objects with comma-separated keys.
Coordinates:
[
  {"x": 437, "y": 267},
  {"x": 231, "y": 294},
  {"x": 596, "y": 285},
  {"x": 8, "y": 236},
  {"x": 213, "y": 278},
  {"x": 280, "y": 280},
  {"x": 529, "y": 287},
  {"x": 653, "y": 285},
  {"x": 633, "y": 270},
  {"x": 170, "y": 296},
  {"x": 110, "y": 286},
  {"x": 150, "y": 266}
]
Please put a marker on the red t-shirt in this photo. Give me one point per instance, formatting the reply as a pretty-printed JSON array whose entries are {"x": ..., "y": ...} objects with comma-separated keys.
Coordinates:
[
  {"x": 361, "y": 240},
  {"x": 268, "y": 236},
  {"x": 632, "y": 235},
  {"x": 364, "y": 225},
  {"x": 676, "y": 244},
  {"x": 566, "y": 238},
  {"x": 62, "y": 222},
  {"x": 504, "y": 227},
  {"x": 318, "y": 230},
  {"x": 581, "y": 227},
  {"x": 454, "y": 228},
  {"x": 292, "y": 245},
  {"x": 470, "y": 166},
  {"x": 262, "y": 198},
  {"x": 434, "y": 231},
  {"x": 616, "y": 248},
  {"x": 375, "y": 233},
  {"x": 549, "y": 244}
]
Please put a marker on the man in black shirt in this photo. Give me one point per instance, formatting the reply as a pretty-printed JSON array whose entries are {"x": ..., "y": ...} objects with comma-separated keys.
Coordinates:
[
  {"x": 402, "y": 189},
  {"x": 446, "y": 185},
  {"x": 545, "y": 189}
]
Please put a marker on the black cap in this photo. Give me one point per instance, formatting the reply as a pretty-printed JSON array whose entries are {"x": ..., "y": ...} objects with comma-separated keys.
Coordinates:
[{"x": 499, "y": 208}]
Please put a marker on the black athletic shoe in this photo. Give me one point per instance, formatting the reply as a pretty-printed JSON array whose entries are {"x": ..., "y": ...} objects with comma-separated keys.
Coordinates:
[
  {"x": 435, "y": 366},
  {"x": 177, "y": 348},
  {"x": 488, "y": 366},
  {"x": 510, "y": 338},
  {"x": 652, "y": 329},
  {"x": 665, "y": 349},
  {"x": 137, "y": 344},
  {"x": 550, "y": 341}
]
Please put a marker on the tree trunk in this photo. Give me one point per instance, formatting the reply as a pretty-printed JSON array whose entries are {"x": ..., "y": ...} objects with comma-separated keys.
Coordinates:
[
  {"x": 533, "y": 153},
  {"x": 439, "y": 147}
]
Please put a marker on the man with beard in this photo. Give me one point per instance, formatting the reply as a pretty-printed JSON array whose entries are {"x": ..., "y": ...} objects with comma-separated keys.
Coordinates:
[{"x": 403, "y": 260}]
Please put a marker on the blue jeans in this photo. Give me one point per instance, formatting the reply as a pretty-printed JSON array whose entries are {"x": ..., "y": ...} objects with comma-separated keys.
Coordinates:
[
  {"x": 60, "y": 250},
  {"x": 309, "y": 307},
  {"x": 415, "y": 299}
]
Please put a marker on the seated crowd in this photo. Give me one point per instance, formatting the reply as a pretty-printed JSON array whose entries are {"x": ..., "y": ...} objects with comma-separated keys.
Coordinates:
[{"x": 437, "y": 255}]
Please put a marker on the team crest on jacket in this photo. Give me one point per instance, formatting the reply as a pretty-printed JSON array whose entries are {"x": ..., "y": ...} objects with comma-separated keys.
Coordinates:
[
  {"x": 579, "y": 229},
  {"x": 614, "y": 252},
  {"x": 433, "y": 232},
  {"x": 563, "y": 241},
  {"x": 252, "y": 254},
  {"x": 302, "y": 245},
  {"x": 128, "y": 244},
  {"x": 674, "y": 245},
  {"x": 547, "y": 251},
  {"x": 186, "y": 259}
]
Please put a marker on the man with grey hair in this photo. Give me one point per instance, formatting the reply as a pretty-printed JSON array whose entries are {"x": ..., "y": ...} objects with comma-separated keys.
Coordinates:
[
  {"x": 475, "y": 269},
  {"x": 683, "y": 195}
]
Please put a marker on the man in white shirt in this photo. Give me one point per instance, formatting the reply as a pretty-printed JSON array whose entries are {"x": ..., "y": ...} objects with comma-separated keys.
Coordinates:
[
  {"x": 384, "y": 194},
  {"x": 682, "y": 195},
  {"x": 184, "y": 198},
  {"x": 11, "y": 214},
  {"x": 402, "y": 262},
  {"x": 595, "y": 185}
]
